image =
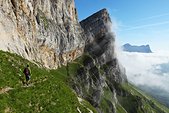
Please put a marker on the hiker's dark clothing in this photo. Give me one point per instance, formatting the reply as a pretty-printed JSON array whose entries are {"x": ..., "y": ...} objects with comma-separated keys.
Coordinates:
[
  {"x": 27, "y": 73},
  {"x": 27, "y": 77}
]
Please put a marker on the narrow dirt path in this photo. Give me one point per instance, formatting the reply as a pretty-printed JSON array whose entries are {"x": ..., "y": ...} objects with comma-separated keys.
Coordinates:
[
  {"x": 33, "y": 83},
  {"x": 5, "y": 90}
]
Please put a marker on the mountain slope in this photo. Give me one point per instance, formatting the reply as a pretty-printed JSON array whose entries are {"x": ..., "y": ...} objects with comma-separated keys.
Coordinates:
[
  {"x": 49, "y": 91},
  {"x": 89, "y": 78}
]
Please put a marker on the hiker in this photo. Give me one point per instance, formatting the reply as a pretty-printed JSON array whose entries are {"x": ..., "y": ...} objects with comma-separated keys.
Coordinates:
[{"x": 27, "y": 73}]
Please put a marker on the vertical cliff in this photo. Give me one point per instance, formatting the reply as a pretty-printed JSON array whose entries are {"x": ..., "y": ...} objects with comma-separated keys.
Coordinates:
[
  {"x": 48, "y": 32},
  {"x": 100, "y": 71},
  {"x": 45, "y": 31},
  {"x": 100, "y": 79}
]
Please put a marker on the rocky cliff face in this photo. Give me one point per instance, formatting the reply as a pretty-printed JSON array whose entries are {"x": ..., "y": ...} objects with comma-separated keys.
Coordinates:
[
  {"x": 100, "y": 71},
  {"x": 45, "y": 31}
]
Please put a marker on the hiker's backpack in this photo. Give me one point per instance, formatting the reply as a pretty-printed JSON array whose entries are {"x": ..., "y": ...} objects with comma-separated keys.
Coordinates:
[{"x": 26, "y": 71}]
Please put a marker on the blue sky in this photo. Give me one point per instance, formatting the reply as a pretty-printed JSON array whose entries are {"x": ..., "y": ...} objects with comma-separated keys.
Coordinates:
[{"x": 136, "y": 21}]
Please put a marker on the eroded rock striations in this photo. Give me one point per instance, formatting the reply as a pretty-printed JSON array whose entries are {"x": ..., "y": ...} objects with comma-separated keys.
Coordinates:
[
  {"x": 44, "y": 31},
  {"x": 101, "y": 70},
  {"x": 48, "y": 32}
]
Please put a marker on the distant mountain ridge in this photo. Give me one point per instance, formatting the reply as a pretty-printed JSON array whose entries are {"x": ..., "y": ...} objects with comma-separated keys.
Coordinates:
[
  {"x": 74, "y": 65},
  {"x": 133, "y": 48}
]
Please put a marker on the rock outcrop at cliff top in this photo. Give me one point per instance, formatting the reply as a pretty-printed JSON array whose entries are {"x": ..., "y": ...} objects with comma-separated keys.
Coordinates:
[
  {"x": 44, "y": 31},
  {"x": 100, "y": 70},
  {"x": 47, "y": 31}
]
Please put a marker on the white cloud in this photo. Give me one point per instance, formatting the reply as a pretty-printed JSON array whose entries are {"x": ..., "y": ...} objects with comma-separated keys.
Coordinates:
[{"x": 140, "y": 68}]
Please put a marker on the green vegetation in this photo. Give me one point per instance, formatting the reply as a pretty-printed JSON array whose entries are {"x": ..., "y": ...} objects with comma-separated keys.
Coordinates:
[
  {"x": 120, "y": 109},
  {"x": 135, "y": 101},
  {"x": 106, "y": 98},
  {"x": 44, "y": 20},
  {"x": 129, "y": 99},
  {"x": 48, "y": 90}
]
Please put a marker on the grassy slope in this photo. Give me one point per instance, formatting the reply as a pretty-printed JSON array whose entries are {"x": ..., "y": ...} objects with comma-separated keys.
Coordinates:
[
  {"x": 48, "y": 91},
  {"x": 135, "y": 102},
  {"x": 144, "y": 95},
  {"x": 140, "y": 101}
]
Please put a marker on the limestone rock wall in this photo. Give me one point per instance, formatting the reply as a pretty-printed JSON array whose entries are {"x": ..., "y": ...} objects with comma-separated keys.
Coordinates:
[
  {"x": 101, "y": 71},
  {"x": 45, "y": 31}
]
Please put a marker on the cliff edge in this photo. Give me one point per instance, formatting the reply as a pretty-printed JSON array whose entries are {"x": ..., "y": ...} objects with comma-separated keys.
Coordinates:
[
  {"x": 44, "y": 31},
  {"x": 88, "y": 78},
  {"x": 100, "y": 70}
]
